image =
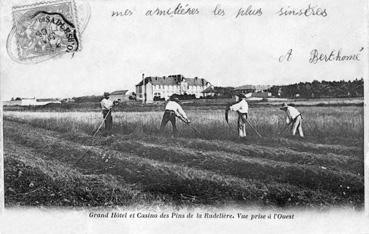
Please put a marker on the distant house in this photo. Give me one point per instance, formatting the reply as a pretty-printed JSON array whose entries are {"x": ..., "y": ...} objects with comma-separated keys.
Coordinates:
[
  {"x": 245, "y": 89},
  {"x": 210, "y": 91},
  {"x": 119, "y": 95},
  {"x": 20, "y": 102},
  {"x": 252, "y": 91},
  {"x": 280, "y": 92},
  {"x": 30, "y": 102},
  {"x": 213, "y": 91},
  {"x": 155, "y": 87},
  {"x": 68, "y": 100},
  {"x": 262, "y": 94},
  {"x": 45, "y": 101}
]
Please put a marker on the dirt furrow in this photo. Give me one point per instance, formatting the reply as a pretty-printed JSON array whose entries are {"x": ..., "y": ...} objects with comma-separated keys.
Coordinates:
[
  {"x": 182, "y": 183},
  {"x": 282, "y": 154},
  {"x": 313, "y": 177},
  {"x": 348, "y": 159},
  {"x": 186, "y": 186},
  {"x": 316, "y": 179},
  {"x": 32, "y": 178}
]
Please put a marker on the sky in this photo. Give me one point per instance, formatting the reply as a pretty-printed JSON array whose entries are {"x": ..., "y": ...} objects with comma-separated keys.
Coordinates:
[{"x": 226, "y": 51}]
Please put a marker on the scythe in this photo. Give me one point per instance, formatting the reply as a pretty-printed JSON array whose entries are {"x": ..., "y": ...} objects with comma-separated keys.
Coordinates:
[
  {"x": 226, "y": 113},
  {"x": 188, "y": 124},
  {"x": 94, "y": 133}
]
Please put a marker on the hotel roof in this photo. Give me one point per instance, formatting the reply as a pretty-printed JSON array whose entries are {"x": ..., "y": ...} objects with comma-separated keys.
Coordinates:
[{"x": 173, "y": 80}]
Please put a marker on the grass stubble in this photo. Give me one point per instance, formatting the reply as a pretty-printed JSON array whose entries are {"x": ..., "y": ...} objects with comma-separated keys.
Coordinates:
[{"x": 139, "y": 166}]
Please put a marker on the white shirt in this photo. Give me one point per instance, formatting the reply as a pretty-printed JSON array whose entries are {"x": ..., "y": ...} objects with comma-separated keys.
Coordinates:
[
  {"x": 291, "y": 113},
  {"x": 106, "y": 104},
  {"x": 241, "y": 107},
  {"x": 174, "y": 106}
]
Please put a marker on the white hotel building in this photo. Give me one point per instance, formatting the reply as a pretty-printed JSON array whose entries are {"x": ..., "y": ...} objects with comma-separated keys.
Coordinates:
[{"x": 165, "y": 86}]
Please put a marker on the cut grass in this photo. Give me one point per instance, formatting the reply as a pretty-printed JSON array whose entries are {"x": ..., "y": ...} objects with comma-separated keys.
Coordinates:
[
  {"x": 203, "y": 177},
  {"x": 214, "y": 168}
]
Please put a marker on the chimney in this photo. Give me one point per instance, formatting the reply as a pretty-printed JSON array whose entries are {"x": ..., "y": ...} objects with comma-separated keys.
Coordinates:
[{"x": 143, "y": 88}]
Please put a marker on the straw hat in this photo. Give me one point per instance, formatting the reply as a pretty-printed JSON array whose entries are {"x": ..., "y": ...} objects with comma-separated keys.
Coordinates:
[
  {"x": 284, "y": 106},
  {"x": 174, "y": 98},
  {"x": 241, "y": 95}
]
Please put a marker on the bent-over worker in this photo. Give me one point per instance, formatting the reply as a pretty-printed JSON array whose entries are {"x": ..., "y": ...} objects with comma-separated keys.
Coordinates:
[
  {"x": 172, "y": 110},
  {"x": 294, "y": 117}
]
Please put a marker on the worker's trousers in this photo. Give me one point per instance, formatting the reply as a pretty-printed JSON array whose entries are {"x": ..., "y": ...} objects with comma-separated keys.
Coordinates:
[
  {"x": 108, "y": 120},
  {"x": 169, "y": 116},
  {"x": 242, "y": 118},
  {"x": 297, "y": 126}
]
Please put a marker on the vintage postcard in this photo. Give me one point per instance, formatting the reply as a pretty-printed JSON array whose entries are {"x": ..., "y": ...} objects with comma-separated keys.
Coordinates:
[{"x": 160, "y": 116}]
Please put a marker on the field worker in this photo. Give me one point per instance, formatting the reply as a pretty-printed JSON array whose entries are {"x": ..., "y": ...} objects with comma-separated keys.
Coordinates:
[
  {"x": 242, "y": 108},
  {"x": 293, "y": 117},
  {"x": 106, "y": 106},
  {"x": 173, "y": 110}
]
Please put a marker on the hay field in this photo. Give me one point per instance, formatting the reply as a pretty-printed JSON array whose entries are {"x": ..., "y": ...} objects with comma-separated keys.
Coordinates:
[{"x": 139, "y": 166}]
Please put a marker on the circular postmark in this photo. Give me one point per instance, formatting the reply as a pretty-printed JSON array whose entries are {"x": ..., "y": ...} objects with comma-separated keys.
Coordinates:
[
  {"x": 46, "y": 30},
  {"x": 45, "y": 33}
]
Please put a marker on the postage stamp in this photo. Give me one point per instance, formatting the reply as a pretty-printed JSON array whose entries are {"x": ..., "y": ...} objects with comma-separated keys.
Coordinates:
[{"x": 46, "y": 28}]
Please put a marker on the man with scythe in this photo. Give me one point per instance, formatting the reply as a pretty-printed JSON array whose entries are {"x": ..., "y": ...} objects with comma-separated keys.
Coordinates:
[
  {"x": 173, "y": 110},
  {"x": 242, "y": 109},
  {"x": 293, "y": 117},
  {"x": 107, "y": 106}
]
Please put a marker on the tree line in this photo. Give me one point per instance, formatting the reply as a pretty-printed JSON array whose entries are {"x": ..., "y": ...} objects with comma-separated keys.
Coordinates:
[{"x": 320, "y": 89}]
